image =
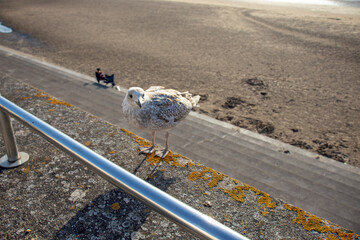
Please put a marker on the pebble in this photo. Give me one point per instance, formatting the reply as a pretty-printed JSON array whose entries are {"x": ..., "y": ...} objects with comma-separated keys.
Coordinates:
[
  {"x": 207, "y": 204},
  {"x": 77, "y": 195}
]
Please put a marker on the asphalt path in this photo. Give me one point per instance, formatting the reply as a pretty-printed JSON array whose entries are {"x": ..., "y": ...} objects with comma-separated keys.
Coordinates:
[{"x": 319, "y": 185}]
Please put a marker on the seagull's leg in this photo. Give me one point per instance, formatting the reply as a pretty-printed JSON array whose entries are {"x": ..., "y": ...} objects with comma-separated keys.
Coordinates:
[
  {"x": 148, "y": 150},
  {"x": 163, "y": 153}
]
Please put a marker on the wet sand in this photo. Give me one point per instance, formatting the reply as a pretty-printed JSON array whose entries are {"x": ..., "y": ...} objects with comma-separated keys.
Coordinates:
[{"x": 288, "y": 72}]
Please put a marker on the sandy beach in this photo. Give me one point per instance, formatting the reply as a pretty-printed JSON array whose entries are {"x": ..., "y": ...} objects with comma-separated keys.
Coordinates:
[{"x": 291, "y": 72}]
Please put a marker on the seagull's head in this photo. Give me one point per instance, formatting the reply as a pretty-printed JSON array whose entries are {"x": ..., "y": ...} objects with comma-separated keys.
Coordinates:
[{"x": 135, "y": 97}]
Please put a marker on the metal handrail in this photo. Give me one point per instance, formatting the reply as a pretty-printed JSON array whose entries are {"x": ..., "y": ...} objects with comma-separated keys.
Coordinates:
[{"x": 185, "y": 216}]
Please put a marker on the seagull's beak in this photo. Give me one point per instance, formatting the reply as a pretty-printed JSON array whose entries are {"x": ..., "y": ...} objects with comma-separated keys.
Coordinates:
[{"x": 138, "y": 102}]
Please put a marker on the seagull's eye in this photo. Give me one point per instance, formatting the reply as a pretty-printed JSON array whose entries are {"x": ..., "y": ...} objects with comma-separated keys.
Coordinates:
[{"x": 130, "y": 95}]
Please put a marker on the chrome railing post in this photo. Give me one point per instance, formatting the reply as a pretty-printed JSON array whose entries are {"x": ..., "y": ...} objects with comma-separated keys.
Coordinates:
[{"x": 12, "y": 158}]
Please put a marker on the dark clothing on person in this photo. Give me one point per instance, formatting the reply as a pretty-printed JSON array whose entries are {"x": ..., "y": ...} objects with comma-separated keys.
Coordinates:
[
  {"x": 107, "y": 78},
  {"x": 100, "y": 75}
]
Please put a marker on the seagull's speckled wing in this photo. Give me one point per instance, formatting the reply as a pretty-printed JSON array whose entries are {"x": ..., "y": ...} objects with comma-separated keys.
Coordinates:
[
  {"x": 160, "y": 108},
  {"x": 165, "y": 108}
]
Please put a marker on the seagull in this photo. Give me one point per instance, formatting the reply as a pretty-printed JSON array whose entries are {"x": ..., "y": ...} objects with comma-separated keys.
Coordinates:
[{"x": 157, "y": 109}]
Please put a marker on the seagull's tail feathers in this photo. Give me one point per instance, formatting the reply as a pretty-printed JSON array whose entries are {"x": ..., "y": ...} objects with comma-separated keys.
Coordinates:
[{"x": 194, "y": 100}]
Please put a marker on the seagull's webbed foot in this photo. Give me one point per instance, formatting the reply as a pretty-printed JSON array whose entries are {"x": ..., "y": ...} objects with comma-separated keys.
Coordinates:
[
  {"x": 147, "y": 150},
  {"x": 162, "y": 153}
]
